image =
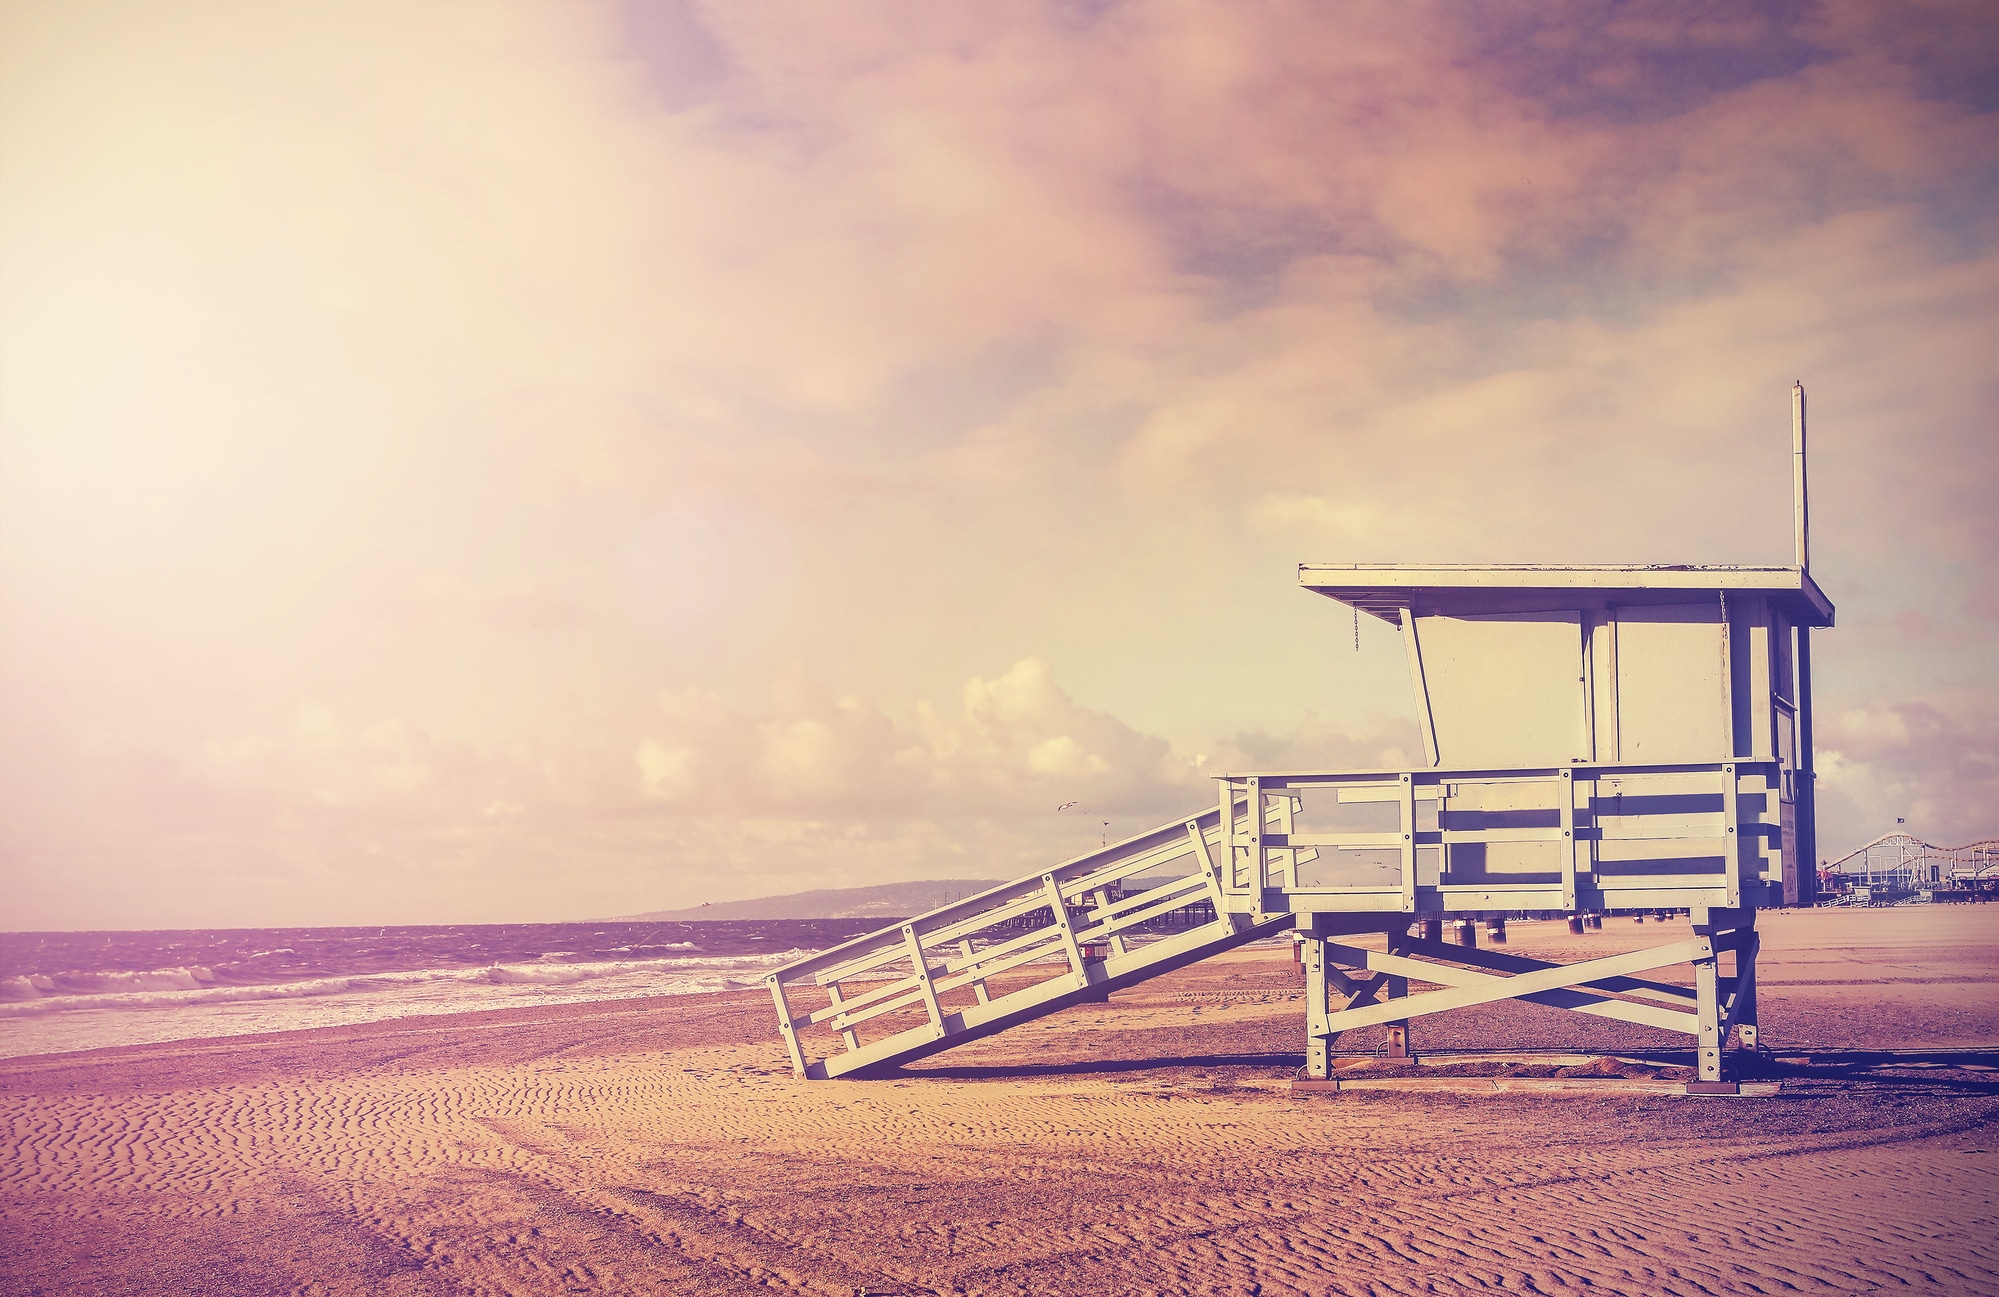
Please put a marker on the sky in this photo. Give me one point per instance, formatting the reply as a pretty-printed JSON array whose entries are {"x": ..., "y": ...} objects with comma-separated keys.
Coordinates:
[{"x": 498, "y": 461}]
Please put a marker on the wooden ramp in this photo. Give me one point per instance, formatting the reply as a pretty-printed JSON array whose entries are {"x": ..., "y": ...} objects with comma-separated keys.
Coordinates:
[{"x": 1093, "y": 925}]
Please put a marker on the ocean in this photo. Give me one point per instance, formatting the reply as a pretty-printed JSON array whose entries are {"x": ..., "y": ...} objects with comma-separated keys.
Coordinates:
[{"x": 67, "y": 991}]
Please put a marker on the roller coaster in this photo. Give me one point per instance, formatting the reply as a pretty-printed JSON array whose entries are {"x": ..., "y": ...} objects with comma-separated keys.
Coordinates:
[{"x": 1900, "y": 863}]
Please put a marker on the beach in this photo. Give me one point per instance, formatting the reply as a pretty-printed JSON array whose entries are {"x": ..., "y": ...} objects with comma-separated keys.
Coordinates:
[{"x": 1149, "y": 1144}]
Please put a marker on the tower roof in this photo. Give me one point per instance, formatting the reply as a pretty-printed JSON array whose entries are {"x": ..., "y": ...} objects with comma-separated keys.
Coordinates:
[{"x": 1386, "y": 589}]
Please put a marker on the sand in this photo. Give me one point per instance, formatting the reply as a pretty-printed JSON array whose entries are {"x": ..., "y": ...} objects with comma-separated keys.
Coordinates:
[{"x": 1146, "y": 1145}]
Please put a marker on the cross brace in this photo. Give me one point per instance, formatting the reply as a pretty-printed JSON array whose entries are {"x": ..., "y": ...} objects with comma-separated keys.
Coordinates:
[
  {"x": 1465, "y": 987},
  {"x": 1705, "y": 1011}
]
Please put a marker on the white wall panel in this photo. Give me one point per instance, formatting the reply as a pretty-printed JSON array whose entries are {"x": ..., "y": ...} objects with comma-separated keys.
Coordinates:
[
  {"x": 1505, "y": 688},
  {"x": 1672, "y": 699}
]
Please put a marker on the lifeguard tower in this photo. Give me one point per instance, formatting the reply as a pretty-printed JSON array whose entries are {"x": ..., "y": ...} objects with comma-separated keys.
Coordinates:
[{"x": 1630, "y": 738}]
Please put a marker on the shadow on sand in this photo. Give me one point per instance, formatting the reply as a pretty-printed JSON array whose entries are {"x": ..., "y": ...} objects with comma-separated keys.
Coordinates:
[
  {"x": 1888, "y": 1067},
  {"x": 1098, "y": 1066}
]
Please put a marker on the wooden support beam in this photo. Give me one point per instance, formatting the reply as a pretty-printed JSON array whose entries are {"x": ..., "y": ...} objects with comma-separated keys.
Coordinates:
[
  {"x": 1465, "y": 988},
  {"x": 1707, "y": 1035},
  {"x": 1318, "y": 1006},
  {"x": 1741, "y": 1008},
  {"x": 1398, "y": 988},
  {"x": 1580, "y": 1000},
  {"x": 1479, "y": 957}
]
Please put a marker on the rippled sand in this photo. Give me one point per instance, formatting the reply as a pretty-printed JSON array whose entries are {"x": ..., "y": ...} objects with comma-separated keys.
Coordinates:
[{"x": 1144, "y": 1145}]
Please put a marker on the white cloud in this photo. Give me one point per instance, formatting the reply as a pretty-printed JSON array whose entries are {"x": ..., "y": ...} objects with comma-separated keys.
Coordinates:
[{"x": 483, "y": 375}]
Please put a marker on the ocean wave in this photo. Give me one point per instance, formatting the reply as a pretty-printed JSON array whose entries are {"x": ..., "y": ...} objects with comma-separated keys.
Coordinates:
[
  {"x": 186, "y": 987},
  {"x": 33, "y": 986}
]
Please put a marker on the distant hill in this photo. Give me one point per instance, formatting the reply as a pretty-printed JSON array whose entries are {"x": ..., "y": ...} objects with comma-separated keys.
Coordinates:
[{"x": 885, "y": 901}]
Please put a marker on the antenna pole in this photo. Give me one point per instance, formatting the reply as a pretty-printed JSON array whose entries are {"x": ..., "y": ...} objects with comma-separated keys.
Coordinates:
[{"x": 1801, "y": 512}]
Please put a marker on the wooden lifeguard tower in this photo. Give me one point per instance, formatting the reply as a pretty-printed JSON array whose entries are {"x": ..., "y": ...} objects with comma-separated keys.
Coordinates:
[{"x": 1596, "y": 739}]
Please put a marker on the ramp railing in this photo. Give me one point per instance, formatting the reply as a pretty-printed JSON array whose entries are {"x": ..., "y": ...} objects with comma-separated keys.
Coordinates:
[{"x": 1106, "y": 919}]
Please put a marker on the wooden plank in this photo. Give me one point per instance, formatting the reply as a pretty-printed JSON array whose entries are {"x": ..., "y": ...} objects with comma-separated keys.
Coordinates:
[
  {"x": 845, "y": 1013},
  {"x": 1138, "y": 918}
]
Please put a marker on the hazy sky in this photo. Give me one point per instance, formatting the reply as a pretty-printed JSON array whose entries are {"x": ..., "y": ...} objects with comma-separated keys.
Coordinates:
[{"x": 513, "y": 461}]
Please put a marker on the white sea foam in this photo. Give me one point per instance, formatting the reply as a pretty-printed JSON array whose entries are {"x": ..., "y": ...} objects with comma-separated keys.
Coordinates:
[
  {"x": 45, "y": 1015},
  {"x": 183, "y": 987}
]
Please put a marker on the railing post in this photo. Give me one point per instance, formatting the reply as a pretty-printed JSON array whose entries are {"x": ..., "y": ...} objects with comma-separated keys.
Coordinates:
[
  {"x": 1408, "y": 817},
  {"x": 791, "y": 1041},
  {"x": 1103, "y": 898},
  {"x": 921, "y": 963},
  {"x": 1286, "y": 825},
  {"x": 1216, "y": 893},
  {"x": 847, "y": 1034},
  {"x": 1227, "y": 843},
  {"x": 1731, "y": 814},
  {"x": 978, "y": 986},
  {"x": 1569, "y": 842},
  {"x": 1067, "y": 929},
  {"x": 1256, "y": 853}
]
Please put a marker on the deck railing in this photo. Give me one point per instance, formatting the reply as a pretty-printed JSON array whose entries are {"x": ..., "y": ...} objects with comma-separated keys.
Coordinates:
[
  {"x": 1577, "y": 836},
  {"x": 1092, "y": 919}
]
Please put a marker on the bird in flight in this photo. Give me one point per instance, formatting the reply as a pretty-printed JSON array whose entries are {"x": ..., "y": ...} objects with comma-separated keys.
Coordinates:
[{"x": 1065, "y": 806}]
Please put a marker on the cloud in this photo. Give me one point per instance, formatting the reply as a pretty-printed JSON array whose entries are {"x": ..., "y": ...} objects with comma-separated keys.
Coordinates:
[
  {"x": 1017, "y": 745},
  {"x": 528, "y": 385},
  {"x": 1887, "y": 760}
]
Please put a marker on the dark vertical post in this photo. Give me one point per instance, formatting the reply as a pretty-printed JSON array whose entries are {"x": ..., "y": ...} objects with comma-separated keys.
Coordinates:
[
  {"x": 1805, "y": 834},
  {"x": 1398, "y": 988},
  {"x": 1806, "y": 804}
]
